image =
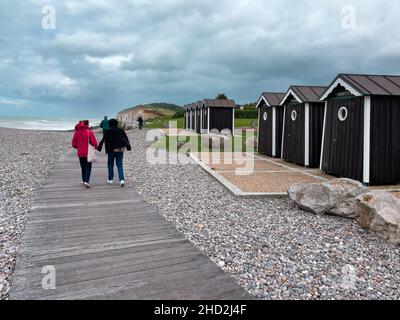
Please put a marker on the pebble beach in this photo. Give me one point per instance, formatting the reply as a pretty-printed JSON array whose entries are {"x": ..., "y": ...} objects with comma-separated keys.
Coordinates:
[
  {"x": 272, "y": 249},
  {"x": 26, "y": 158}
]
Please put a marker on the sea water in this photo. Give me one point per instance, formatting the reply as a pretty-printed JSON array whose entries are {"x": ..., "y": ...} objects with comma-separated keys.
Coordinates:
[{"x": 42, "y": 124}]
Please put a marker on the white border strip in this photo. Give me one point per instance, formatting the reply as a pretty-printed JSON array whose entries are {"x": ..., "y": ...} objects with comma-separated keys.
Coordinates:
[
  {"x": 283, "y": 131},
  {"x": 367, "y": 139},
  {"x": 343, "y": 83},
  {"x": 290, "y": 92},
  {"x": 234, "y": 189},
  {"x": 307, "y": 134},
  {"x": 261, "y": 100},
  {"x": 323, "y": 136},
  {"x": 274, "y": 131}
]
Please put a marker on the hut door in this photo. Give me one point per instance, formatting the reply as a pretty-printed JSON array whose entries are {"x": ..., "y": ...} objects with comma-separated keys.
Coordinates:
[
  {"x": 294, "y": 134},
  {"x": 343, "y": 145},
  {"x": 198, "y": 129},
  {"x": 265, "y": 140}
]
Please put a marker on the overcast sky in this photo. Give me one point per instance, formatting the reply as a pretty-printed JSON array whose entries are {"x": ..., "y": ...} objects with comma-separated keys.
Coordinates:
[{"x": 106, "y": 55}]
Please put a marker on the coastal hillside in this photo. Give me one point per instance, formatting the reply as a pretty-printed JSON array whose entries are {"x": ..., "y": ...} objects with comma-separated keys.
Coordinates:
[{"x": 151, "y": 111}]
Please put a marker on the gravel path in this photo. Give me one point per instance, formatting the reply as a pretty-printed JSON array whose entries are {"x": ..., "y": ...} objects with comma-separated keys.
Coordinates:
[
  {"x": 26, "y": 157},
  {"x": 272, "y": 249}
]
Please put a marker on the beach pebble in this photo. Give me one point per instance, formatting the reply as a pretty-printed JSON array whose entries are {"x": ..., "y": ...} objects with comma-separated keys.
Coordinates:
[
  {"x": 271, "y": 248},
  {"x": 26, "y": 157}
]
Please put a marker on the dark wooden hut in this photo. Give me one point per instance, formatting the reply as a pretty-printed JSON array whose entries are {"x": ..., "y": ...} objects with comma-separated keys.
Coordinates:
[
  {"x": 219, "y": 115},
  {"x": 199, "y": 117},
  {"x": 361, "y": 138},
  {"x": 186, "y": 117},
  {"x": 303, "y": 125},
  {"x": 193, "y": 116},
  {"x": 270, "y": 123}
]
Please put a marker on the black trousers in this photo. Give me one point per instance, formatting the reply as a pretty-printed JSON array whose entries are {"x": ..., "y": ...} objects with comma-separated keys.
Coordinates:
[{"x": 86, "y": 169}]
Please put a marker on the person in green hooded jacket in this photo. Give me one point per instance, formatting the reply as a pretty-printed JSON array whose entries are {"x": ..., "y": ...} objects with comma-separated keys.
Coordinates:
[{"x": 105, "y": 125}]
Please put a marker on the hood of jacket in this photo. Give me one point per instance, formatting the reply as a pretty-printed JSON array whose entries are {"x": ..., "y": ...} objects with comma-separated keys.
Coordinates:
[{"x": 81, "y": 126}]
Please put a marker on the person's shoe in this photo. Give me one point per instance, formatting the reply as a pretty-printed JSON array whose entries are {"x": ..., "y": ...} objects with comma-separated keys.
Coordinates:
[
  {"x": 122, "y": 183},
  {"x": 87, "y": 185},
  {"x": 110, "y": 181}
]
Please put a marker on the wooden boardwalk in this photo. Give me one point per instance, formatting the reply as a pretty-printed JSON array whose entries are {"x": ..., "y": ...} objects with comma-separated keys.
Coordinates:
[{"x": 107, "y": 243}]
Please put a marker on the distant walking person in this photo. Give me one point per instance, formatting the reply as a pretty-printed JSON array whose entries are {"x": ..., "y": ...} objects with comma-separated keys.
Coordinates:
[
  {"x": 116, "y": 142},
  {"x": 82, "y": 137},
  {"x": 141, "y": 122},
  {"x": 105, "y": 125}
]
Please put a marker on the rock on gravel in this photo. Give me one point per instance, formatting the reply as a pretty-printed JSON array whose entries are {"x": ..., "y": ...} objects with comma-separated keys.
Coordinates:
[
  {"x": 273, "y": 249},
  {"x": 26, "y": 157},
  {"x": 380, "y": 212},
  {"x": 336, "y": 197}
]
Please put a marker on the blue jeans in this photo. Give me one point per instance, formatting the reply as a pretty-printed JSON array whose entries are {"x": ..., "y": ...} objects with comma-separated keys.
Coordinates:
[
  {"x": 116, "y": 157},
  {"x": 86, "y": 169}
]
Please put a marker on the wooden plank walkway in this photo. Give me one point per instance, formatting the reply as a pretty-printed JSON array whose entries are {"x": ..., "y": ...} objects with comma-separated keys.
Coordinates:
[{"x": 107, "y": 243}]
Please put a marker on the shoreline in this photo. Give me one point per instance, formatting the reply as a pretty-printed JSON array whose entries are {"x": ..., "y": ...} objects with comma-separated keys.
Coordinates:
[{"x": 94, "y": 128}]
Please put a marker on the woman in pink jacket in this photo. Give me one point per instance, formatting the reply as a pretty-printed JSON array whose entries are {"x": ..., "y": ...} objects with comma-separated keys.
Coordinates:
[{"x": 83, "y": 135}]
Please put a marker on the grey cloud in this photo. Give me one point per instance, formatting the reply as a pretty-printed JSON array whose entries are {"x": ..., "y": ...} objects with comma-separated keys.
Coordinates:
[{"x": 107, "y": 54}]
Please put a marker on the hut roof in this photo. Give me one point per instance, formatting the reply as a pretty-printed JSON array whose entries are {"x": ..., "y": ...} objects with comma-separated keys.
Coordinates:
[
  {"x": 365, "y": 85},
  {"x": 304, "y": 93},
  {"x": 271, "y": 98},
  {"x": 213, "y": 103}
]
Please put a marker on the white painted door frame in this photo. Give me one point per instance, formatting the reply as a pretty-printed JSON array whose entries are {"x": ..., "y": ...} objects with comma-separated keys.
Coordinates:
[
  {"x": 283, "y": 130},
  {"x": 367, "y": 140},
  {"x": 258, "y": 129},
  {"x": 307, "y": 134},
  {"x": 208, "y": 120},
  {"x": 323, "y": 136},
  {"x": 274, "y": 131},
  {"x": 233, "y": 122},
  {"x": 201, "y": 120}
]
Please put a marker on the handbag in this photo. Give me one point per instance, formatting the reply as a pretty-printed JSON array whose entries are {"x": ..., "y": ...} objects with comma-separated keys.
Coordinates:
[{"x": 91, "y": 151}]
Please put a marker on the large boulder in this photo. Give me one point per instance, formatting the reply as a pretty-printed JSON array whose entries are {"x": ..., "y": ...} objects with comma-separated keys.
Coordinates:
[
  {"x": 336, "y": 197},
  {"x": 380, "y": 212}
]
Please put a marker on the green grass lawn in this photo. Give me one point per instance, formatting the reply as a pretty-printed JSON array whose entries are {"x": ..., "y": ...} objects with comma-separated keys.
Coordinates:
[
  {"x": 245, "y": 123},
  {"x": 196, "y": 144},
  {"x": 160, "y": 123}
]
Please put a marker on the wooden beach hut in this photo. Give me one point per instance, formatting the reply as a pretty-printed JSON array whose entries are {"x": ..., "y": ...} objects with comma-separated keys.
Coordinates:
[
  {"x": 186, "y": 117},
  {"x": 303, "y": 125},
  {"x": 219, "y": 115},
  {"x": 361, "y": 138},
  {"x": 270, "y": 123},
  {"x": 199, "y": 117},
  {"x": 192, "y": 117}
]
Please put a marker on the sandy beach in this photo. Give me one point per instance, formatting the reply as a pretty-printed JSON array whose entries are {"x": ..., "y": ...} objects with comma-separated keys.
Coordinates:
[{"x": 26, "y": 158}]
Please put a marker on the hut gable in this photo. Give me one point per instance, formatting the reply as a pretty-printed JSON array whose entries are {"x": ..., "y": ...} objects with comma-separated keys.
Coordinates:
[
  {"x": 270, "y": 99},
  {"x": 364, "y": 85},
  {"x": 303, "y": 94}
]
